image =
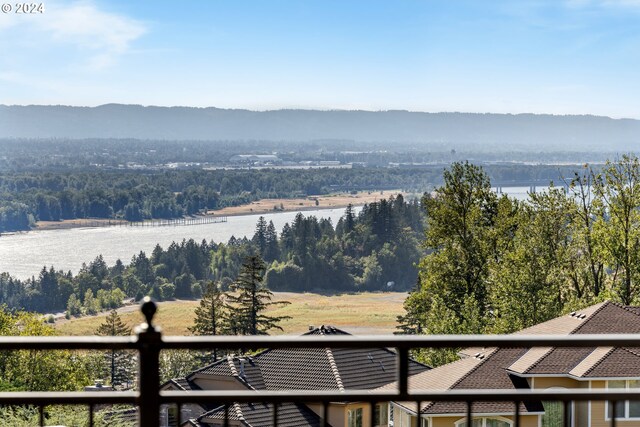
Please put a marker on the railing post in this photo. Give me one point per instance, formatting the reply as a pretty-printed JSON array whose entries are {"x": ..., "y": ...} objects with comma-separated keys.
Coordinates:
[{"x": 149, "y": 345}]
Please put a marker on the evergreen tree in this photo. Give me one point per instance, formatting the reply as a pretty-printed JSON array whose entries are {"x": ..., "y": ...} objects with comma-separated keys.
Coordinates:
[
  {"x": 260, "y": 236},
  {"x": 120, "y": 363},
  {"x": 272, "y": 252},
  {"x": 349, "y": 219},
  {"x": 211, "y": 315},
  {"x": 251, "y": 298}
]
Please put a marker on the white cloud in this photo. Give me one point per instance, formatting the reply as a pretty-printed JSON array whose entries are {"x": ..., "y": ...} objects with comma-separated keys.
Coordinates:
[{"x": 101, "y": 35}]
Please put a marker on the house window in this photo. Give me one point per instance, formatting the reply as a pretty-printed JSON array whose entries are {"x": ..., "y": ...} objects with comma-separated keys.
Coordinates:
[
  {"x": 381, "y": 415},
  {"x": 354, "y": 417},
  {"x": 402, "y": 418},
  {"x": 626, "y": 408},
  {"x": 171, "y": 416},
  {"x": 486, "y": 422}
]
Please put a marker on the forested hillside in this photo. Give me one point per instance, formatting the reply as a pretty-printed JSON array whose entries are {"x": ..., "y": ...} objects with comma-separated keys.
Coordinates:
[
  {"x": 26, "y": 197},
  {"x": 532, "y": 132},
  {"x": 29, "y": 197}
]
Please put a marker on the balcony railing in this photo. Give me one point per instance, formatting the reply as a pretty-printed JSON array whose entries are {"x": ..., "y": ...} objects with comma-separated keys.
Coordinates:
[{"x": 148, "y": 342}]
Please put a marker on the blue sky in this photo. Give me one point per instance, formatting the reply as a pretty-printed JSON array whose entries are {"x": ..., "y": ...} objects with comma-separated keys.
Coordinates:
[{"x": 557, "y": 56}]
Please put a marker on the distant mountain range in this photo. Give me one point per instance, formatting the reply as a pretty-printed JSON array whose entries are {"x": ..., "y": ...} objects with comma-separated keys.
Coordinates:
[{"x": 459, "y": 130}]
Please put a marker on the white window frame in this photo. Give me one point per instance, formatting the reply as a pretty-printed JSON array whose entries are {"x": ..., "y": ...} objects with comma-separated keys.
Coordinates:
[
  {"x": 385, "y": 422},
  {"x": 626, "y": 416},
  {"x": 484, "y": 420},
  {"x": 354, "y": 411}
]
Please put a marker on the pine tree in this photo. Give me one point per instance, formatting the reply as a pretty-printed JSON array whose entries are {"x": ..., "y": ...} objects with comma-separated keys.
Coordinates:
[
  {"x": 260, "y": 236},
  {"x": 211, "y": 314},
  {"x": 272, "y": 251},
  {"x": 119, "y": 362},
  {"x": 349, "y": 219},
  {"x": 251, "y": 298}
]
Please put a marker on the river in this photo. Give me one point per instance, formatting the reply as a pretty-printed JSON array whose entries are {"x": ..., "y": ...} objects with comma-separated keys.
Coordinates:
[{"x": 24, "y": 254}]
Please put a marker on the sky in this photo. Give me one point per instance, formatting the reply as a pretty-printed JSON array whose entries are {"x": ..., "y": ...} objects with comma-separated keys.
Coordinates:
[{"x": 556, "y": 56}]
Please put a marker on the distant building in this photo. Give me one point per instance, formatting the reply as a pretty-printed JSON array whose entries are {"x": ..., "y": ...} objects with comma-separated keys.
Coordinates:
[
  {"x": 256, "y": 159},
  {"x": 536, "y": 368}
]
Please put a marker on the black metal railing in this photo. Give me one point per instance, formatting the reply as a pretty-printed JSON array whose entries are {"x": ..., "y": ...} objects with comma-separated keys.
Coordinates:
[{"x": 148, "y": 342}]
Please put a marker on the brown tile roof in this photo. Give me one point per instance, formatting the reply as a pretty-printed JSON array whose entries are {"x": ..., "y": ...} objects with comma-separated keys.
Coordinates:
[
  {"x": 611, "y": 318},
  {"x": 497, "y": 370},
  {"x": 490, "y": 373},
  {"x": 560, "y": 360},
  {"x": 529, "y": 359},
  {"x": 602, "y": 318},
  {"x": 618, "y": 363},
  {"x": 260, "y": 415},
  {"x": 587, "y": 364}
]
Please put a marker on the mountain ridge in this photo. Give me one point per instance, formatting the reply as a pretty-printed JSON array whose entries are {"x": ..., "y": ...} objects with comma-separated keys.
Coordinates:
[{"x": 529, "y": 130}]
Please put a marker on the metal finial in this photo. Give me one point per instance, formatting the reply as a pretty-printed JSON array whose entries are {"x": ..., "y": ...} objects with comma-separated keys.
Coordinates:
[{"x": 148, "y": 309}]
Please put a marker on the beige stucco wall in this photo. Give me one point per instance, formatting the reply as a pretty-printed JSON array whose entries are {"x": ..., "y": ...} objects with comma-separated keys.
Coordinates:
[
  {"x": 545, "y": 383},
  {"x": 337, "y": 413},
  {"x": 580, "y": 409},
  {"x": 525, "y": 421}
]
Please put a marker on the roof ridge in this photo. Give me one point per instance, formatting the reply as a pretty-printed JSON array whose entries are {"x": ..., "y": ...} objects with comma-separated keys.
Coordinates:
[
  {"x": 173, "y": 380},
  {"x": 599, "y": 360},
  {"x": 626, "y": 308},
  {"x": 232, "y": 366},
  {"x": 238, "y": 410},
  {"x": 540, "y": 359},
  {"x": 334, "y": 368},
  {"x": 631, "y": 351},
  {"x": 470, "y": 371},
  {"x": 598, "y": 310}
]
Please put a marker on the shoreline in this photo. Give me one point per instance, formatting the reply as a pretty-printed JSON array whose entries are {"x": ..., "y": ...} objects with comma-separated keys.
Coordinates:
[{"x": 259, "y": 207}]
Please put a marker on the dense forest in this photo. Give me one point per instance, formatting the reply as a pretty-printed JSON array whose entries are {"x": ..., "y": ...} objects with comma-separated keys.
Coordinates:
[
  {"x": 27, "y": 197},
  {"x": 377, "y": 249},
  {"x": 497, "y": 265}
]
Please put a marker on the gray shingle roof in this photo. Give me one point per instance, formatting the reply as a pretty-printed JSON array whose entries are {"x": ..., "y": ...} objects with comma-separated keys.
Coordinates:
[{"x": 313, "y": 368}]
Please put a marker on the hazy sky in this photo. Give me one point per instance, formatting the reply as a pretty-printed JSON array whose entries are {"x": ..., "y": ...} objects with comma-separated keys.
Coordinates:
[{"x": 556, "y": 56}]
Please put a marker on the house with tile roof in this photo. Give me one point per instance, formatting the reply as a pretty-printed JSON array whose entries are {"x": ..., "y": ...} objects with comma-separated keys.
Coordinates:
[
  {"x": 333, "y": 369},
  {"x": 536, "y": 368}
]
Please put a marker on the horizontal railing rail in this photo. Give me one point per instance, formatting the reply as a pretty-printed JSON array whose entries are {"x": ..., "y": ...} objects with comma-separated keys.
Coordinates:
[
  {"x": 149, "y": 342},
  {"x": 321, "y": 341}
]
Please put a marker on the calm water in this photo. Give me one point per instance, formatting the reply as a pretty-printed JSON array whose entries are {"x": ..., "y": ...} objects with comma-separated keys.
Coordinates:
[
  {"x": 519, "y": 193},
  {"x": 24, "y": 254}
]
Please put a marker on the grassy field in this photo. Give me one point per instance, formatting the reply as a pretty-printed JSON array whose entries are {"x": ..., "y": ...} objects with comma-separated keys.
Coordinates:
[{"x": 364, "y": 313}]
